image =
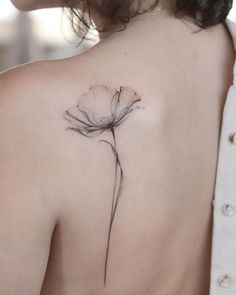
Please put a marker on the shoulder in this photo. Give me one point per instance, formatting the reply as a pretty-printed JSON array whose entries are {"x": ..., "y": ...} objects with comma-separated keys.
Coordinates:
[
  {"x": 39, "y": 84},
  {"x": 27, "y": 77},
  {"x": 21, "y": 85},
  {"x": 33, "y": 88},
  {"x": 33, "y": 97},
  {"x": 23, "y": 92},
  {"x": 22, "y": 71}
]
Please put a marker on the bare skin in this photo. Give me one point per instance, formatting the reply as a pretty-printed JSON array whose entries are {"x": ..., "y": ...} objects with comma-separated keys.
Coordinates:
[{"x": 56, "y": 185}]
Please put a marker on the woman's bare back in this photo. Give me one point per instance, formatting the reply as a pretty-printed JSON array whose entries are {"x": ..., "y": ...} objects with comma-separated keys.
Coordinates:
[
  {"x": 160, "y": 239},
  {"x": 161, "y": 234}
]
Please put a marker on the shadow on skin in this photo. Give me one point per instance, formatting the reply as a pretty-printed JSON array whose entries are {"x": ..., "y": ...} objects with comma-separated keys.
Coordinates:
[{"x": 54, "y": 264}]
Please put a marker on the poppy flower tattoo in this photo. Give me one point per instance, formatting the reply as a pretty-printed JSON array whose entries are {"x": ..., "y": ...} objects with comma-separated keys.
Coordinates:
[{"x": 102, "y": 109}]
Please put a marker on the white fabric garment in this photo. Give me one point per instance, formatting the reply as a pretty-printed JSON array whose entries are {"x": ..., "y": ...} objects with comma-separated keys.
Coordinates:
[{"x": 223, "y": 259}]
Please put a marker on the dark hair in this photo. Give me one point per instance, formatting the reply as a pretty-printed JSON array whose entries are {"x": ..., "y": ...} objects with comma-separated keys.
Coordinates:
[{"x": 204, "y": 13}]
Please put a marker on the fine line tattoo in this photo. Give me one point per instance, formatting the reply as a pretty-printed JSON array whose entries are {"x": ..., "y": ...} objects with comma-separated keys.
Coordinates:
[{"x": 101, "y": 109}]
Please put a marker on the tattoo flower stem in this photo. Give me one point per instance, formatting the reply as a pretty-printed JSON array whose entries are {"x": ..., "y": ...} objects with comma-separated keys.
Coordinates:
[
  {"x": 102, "y": 109},
  {"x": 115, "y": 198}
]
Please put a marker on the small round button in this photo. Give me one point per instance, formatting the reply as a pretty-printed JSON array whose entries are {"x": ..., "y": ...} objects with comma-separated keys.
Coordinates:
[
  {"x": 228, "y": 209},
  {"x": 233, "y": 138},
  {"x": 224, "y": 281}
]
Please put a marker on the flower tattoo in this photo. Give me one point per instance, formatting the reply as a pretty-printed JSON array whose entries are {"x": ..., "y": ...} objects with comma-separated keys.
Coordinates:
[{"x": 102, "y": 109}]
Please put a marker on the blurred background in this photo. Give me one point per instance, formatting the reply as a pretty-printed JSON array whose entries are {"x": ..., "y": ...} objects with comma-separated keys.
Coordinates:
[{"x": 37, "y": 35}]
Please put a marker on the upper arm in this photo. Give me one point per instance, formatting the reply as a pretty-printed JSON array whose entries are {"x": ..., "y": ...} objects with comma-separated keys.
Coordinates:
[{"x": 26, "y": 222}]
